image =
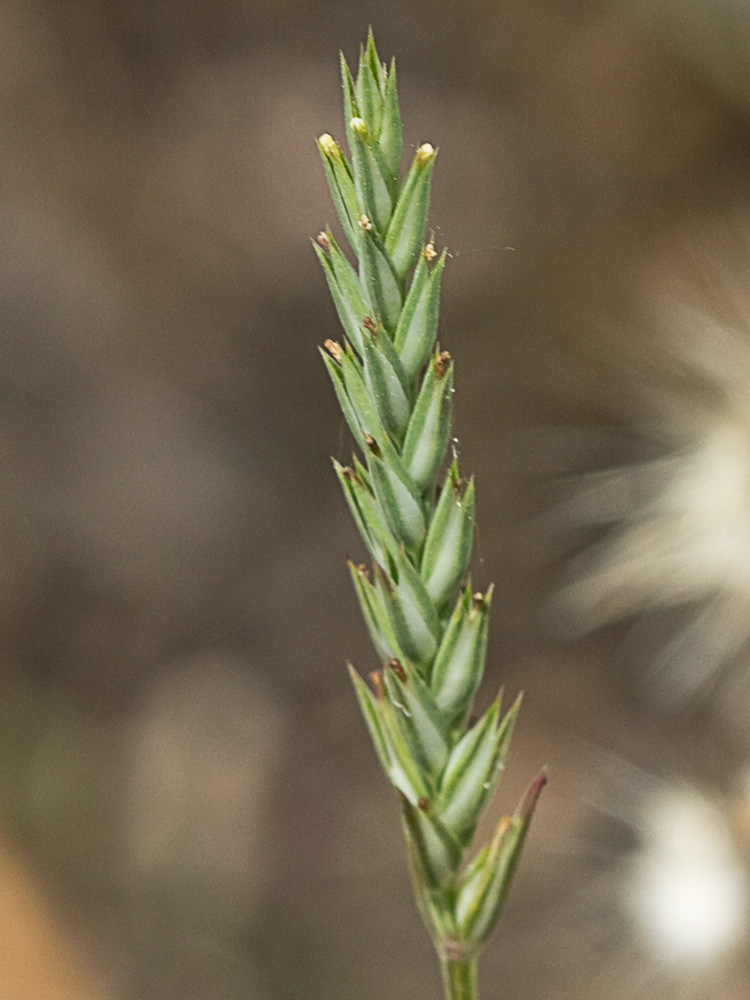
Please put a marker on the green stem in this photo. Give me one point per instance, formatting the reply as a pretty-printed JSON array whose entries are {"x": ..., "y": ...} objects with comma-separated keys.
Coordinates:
[{"x": 459, "y": 978}]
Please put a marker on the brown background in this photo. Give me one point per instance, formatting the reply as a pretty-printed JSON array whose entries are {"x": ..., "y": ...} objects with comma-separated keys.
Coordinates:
[{"x": 190, "y": 807}]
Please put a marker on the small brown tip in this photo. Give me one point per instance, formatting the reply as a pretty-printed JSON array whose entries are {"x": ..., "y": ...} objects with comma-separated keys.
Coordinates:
[
  {"x": 324, "y": 241},
  {"x": 424, "y": 805},
  {"x": 363, "y": 571},
  {"x": 350, "y": 474},
  {"x": 396, "y": 666},
  {"x": 528, "y": 802},
  {"x": 442, "y": 364},
  {"x": 334, "y": 350},
  {"x": 369, "y": 324},
  {"x": 372, "y": 444},
  {"x": 376, "y": 679}
]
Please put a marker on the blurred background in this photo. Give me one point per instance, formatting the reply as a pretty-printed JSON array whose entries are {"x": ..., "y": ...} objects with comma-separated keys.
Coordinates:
[{"x": 189, "y": 805}]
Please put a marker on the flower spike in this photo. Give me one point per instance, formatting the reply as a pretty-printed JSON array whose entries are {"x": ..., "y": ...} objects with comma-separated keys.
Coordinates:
[{"x": 416, "y": 520}]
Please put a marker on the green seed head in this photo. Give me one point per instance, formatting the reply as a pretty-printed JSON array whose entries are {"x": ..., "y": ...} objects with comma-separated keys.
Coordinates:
[{"x": 428, "y": 628}]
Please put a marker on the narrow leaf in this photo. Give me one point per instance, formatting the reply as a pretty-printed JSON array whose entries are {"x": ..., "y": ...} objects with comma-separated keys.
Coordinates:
[
  {"x": 378, "y": 281},
  {"x": 470, "y": 776},
  {"x": 366, "y": 514},
  {"x": 376, "y": 66},
  {"x": 406, "y": 228},
  {"x": 385, "y": 379},
  {"x": 344, "y": 287},
  {"x": 341, "y": 185},
  {"x": 360, "y": 399},
  {"x": 481, "y": 898},
  {"x": 435, "y": 853},
  {"x": 351, "y": 107},
  {"x": 459, "y": 664},
  {"x": 391, "y": 134},
  {"x": 400, "y": 769},
  {"x": 447, "y": 548},
  {"x": 377, "y": 621},
  {"x": 373, "y": 192},
  {"x": 421, "y": 723},
  {"x": 505, "y": 730},
  {"x": 400, "y": 503},
  {"x": 415, "y": 600},
  {"x": 413, "y": 633},
  {"x": 333, "y": 367},
  {"x": 418, "y": 321},
  {"x": 367, "y": 89},
  {"x": 429, "y": 428},
  {"x": 371, "y": 716}
]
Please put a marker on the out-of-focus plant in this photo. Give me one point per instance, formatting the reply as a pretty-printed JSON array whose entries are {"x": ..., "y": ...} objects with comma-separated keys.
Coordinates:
[{"x": 416, "y": 518}]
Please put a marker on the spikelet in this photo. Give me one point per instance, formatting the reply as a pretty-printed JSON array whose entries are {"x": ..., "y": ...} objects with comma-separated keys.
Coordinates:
[{"x": 416, "y": 519}]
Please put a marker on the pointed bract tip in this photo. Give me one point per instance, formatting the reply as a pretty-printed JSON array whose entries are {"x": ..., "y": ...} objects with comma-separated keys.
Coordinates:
[
  {"x": 528, "y": 802},
  {"x": 516, "y": 706}
]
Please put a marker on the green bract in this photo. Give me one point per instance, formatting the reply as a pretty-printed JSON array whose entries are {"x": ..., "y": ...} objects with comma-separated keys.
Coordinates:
[{"x": 416, "y": 519}]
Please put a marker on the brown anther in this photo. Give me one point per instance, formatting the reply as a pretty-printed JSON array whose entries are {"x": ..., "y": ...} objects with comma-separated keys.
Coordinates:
[
  {"x": 424, "y": 805},
  {"x": 430, "y": 253},
  {"x": 369, "y": 324},
  {"x": 334, "y": 350},
  {"x": 396, "y": 666},
  {"x": 372, "y": 444},
  {"x": 458, "y": 487},
  {"x": 324, "y": 242},
  {"x": 376, "y": 679},
  {"x": 364, "y": 223},
  {"x": 350, "y": 475},
  {"x": 442, "y": 363},
  {"x": 363, "y": 571}
]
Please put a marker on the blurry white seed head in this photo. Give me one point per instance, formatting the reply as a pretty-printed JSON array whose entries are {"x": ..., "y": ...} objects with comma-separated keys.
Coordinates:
[{"x": 686, "y": 890}]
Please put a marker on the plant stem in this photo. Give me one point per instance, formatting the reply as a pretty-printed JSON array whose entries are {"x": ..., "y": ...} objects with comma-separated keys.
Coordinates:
[{"x": 460, "y": 978}]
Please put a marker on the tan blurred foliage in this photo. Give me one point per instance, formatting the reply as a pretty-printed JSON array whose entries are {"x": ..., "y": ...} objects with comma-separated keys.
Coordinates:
[
  {"x": 184, "y": 774},
  {"x": 38, "y": 960}
]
